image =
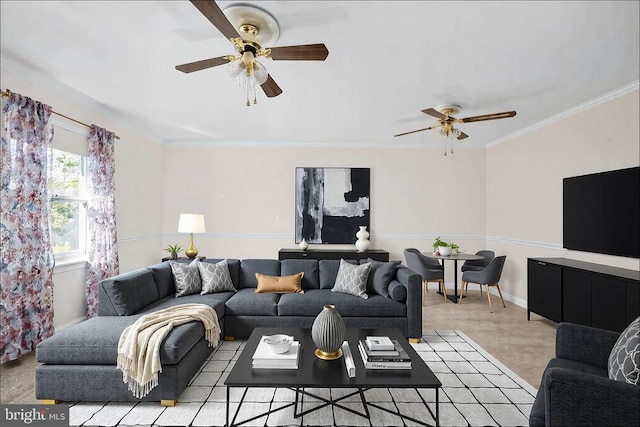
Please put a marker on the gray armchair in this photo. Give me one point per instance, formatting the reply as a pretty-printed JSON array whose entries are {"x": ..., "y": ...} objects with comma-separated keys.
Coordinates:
[
  {"x": 576, "y": 389},
  {"x": 429, "y": 268},
  {"x": 488, "y": 276},
  {"x": 478, "y": 264}
]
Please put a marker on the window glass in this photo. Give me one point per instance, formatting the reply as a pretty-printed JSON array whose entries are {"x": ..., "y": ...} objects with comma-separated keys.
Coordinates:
[{"x": 67, "y": 188}]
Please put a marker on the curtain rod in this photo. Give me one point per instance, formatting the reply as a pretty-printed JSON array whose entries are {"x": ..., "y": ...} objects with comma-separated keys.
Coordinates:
[{"x": 6, "y": 93}]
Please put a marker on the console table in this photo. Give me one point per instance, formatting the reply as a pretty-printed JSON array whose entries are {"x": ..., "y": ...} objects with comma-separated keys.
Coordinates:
[
  {"x": 377, "y": 254},
  {"x": 566, "y": 290}
]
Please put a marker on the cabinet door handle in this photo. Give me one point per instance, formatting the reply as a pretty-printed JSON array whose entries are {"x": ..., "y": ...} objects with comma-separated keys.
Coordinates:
[{"x": 542, "y": 263}]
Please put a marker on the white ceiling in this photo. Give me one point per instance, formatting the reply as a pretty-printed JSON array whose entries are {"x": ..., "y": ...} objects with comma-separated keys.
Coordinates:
[{"x": 388, "y": 60}]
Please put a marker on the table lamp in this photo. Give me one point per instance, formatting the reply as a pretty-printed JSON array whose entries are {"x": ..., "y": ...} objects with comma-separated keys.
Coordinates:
[{"x": 191, "y": 223}]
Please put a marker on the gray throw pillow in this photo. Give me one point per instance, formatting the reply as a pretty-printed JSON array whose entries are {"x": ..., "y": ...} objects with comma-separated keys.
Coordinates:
[
  {"x": 380, "y": 276},
  {"x": 397, "y": 291},
  {"x": 352, "y": 279},
  {"x": 624, "y": 359},
  {"x": 215, "y": 277},
  {"x": 187, "y": 277}
]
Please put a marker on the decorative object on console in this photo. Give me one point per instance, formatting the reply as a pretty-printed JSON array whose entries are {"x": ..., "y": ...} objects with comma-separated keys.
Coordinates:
[
  {"x": 303, "y": 245},
  {"x": 174, "y": 250},
  {"x": 191, "y": 223},
  {"x": 363, "y": 243},
  {"x": 327, "y": 333},
  {"x": 331, "y": 203}
]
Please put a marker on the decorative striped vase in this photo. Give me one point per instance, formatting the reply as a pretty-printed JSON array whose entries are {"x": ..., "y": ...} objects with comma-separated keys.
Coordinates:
[{"x": 327, "y": 333}]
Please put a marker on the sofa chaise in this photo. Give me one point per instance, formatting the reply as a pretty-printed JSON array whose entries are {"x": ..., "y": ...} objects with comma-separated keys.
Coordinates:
[{"x": 78, "y": 363}]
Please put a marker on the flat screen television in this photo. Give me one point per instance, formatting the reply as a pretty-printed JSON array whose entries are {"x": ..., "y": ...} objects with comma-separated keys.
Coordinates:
[{"x": 601, "y": 213}]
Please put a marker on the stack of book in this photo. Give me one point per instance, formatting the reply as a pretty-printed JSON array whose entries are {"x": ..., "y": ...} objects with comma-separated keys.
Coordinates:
[
  {"x": 264, "y": 358},
  {"x": 383, "y": 353}
]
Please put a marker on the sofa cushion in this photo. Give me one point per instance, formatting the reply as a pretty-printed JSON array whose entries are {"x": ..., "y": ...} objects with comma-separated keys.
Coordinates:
[
  {"x": 215, "y": 301},
  {"x": 130, "y": 292},
  {"x": 380, "y": 276},
  {"x": 246, "y": 302},
  {"x": 249, "y": 268},
  {"x": 95, "y": 342},
  {"x": 313, "y": 300},
  {"x": 624, "y": 360},
  {"x": 352, "y": 279},
  {"x": 163, "y": 276},
  {"x": 311, "y": 279},
  {"x": 279, "y": 284},
  {"x": 186, "y": 277},
  {"x": 329, "y": 271},
  {"x": 397, "y": 291},
  {"x": 215, "y": 277}
]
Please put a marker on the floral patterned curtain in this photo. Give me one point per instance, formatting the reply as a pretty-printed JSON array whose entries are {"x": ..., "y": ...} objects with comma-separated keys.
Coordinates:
[
  {"x": 101, "y": 214},
  {"x": 26, "y": 257}
]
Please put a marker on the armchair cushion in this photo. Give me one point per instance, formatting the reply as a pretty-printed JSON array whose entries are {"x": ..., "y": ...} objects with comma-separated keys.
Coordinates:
[
  {"x": 584, "y": 343},
  {"x": 624, "y": 360}
]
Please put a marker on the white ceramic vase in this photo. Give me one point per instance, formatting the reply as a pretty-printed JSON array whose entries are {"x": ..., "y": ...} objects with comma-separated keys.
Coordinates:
[
  {"x": 445, "y": 250},
  {"x": 303, "y": 245},
  {"x": 363, "y": 243}
]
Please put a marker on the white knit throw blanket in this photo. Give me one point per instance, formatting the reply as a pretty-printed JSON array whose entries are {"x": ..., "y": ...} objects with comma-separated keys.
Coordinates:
[{"x": 139, "y": 345}]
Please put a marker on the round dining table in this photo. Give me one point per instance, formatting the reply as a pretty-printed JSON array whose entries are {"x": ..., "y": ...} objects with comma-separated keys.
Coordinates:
[{"x": 455, "y": 257}]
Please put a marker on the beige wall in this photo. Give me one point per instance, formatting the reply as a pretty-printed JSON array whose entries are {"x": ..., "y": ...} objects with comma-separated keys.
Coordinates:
[
  {"x": 138, "y": 187},
  {"x": 524, "y": 183},
  {"x": 247, "y": 196},
  {"x": 507, "y": 198}
]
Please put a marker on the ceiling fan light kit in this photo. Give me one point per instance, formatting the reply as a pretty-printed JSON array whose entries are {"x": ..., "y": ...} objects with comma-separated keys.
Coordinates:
[
  {"x": 447, "y": 133},
  {"x": 249, "y": 28}
]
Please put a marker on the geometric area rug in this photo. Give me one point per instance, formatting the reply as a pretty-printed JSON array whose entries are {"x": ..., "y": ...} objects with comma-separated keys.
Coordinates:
[{"x": 477, "y": 390}]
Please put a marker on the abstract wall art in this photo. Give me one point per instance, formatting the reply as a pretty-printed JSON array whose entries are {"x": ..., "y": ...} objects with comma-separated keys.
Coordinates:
[{"x": 331, "y": 203}]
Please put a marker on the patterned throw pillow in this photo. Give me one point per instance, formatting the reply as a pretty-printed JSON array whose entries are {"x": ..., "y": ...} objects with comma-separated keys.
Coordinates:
[
  {"x": 187, "y": 277},
  {"x": 215, "y": 277},
  {"x": 352, "y": 279},
  {"x": 624, "y": 360}
]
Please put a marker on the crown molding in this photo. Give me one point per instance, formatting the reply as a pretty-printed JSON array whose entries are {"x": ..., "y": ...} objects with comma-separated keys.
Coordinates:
[{"x": 609, "y": 96}]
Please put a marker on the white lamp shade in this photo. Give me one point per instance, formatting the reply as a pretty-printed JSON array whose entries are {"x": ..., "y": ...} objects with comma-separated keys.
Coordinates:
[{"x": 191, "y": 223}]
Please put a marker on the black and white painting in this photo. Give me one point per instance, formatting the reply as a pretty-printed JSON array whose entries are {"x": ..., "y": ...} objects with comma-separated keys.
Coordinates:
[{"x": 331, "y": 203}]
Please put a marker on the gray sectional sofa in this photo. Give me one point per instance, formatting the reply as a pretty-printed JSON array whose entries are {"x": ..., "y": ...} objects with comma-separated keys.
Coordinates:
[{"x": 78, "y": 363}]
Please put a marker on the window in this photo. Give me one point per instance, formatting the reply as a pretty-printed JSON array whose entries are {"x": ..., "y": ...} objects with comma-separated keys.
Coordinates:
[{"x": 68, "y": 208}]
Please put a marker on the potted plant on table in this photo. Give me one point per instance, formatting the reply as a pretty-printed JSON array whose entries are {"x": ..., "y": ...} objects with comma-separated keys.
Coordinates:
[
  {"x": 174, "y": 250},
  {"x": 440, "y": 247}
]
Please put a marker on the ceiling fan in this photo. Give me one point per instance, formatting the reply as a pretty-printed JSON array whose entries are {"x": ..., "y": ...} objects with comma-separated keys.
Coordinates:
[
  {"x": 443, "y": 113},
  {"x": 250, "y": 28}
]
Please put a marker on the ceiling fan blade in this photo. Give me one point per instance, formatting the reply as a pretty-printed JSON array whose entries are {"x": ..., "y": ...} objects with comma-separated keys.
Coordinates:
[
  {"x": 493, "y": 116},
  {"x": 271, "y": 88},
  {"x": 214, "y": 14},
  {"x": 462, "y": 135},
  {"x": 201, "y": 65},
  {"x": 419, "y": 130},
  {"x": 435, "y": 113},
  {"x": 303, "y": 52}
]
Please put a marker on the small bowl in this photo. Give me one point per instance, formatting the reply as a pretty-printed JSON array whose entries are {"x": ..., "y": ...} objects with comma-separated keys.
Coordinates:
[{"x": 279, "y": 344}]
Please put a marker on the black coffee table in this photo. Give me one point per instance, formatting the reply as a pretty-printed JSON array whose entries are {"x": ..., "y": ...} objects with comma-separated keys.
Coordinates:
[{"x": 315, "y": 373}]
